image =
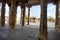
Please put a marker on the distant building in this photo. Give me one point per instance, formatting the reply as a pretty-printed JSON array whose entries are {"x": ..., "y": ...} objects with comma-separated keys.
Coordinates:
[{"x": 32, "y": 19}]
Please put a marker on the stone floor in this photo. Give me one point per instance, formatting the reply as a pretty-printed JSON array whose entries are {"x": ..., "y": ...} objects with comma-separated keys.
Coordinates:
[
  {"x": 26, "y": 33},
  {"x": 53, "y": 35},
  {"x": 23, "y": 33}
]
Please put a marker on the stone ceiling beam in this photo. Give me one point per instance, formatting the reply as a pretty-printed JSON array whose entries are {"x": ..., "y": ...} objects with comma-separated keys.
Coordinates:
[{"x": 31, "y": 2}]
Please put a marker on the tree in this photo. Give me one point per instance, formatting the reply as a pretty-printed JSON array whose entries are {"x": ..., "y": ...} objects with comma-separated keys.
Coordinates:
[{"x": 51, "y": 19}]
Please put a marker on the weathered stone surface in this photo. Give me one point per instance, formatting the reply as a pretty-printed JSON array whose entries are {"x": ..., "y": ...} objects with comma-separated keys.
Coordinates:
[
  {"x": 19, "y": 34},
  {"x": 43, "y": 21},
  {"x": 12, "y": 15},
  {"x": 27, "y": 33},
  {"x": 28, "y": 15},
  {"x": 57, "y": 23},
  {"x": 3, "y": 14}
]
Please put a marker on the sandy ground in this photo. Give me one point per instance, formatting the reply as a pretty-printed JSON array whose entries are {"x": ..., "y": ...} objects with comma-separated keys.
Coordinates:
[{"x": 28, "y": 32}]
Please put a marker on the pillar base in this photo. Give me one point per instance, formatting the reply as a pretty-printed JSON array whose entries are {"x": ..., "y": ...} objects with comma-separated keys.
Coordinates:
[
  {"x": 2, "y": 25},
  {"x": 58, "y": 28},
  {"x": 22, "y": 25},
  {"x": 42, "y": 38},
  {"x": 39, "y": 39},
  {"x": 12, "y": 28},
  {"x": 27, "y": 24}
]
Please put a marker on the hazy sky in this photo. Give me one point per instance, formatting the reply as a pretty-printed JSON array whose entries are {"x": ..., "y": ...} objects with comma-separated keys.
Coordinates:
[{"x": 34, "y": 10}]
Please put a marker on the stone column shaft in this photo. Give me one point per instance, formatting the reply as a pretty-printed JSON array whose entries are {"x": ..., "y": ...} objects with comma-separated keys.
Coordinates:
[
  {"x": 23, "y": 18},
  {"x": 3, "y": 14},
  {"x": 23, "y": 14},
  {"x": 12, "y": 15},
  {"x": 43, "y": 21},
  {"x": 57, "y": 13},
  {"x": 28, "y": 15},
  {"x": 57, "y": 23}
]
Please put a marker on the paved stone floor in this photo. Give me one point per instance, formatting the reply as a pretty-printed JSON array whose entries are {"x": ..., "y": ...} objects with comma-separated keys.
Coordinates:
[
  {"x": 53, "y": 35},
  {"x": 26, "y": 33}
]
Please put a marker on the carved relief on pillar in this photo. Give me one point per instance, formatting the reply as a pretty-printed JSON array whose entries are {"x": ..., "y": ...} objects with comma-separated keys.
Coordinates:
[
  {"x": 23, "y": 10},
  {"x": 43, "y": 20},
  {"x": 57, "y": 17},
  {"x": 12, "y": 15},
  {"x": 57, "y": 13}
]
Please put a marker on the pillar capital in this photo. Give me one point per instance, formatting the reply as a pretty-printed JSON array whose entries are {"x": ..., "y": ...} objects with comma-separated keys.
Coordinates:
[
  {"x": 29, "y": 6},
  {"x": 9, "y": 4},
  {"x": 22, "y": 6}
]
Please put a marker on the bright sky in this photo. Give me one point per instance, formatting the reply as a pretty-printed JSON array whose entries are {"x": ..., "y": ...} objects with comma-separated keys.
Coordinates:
[{"x": 35, "y": 10}]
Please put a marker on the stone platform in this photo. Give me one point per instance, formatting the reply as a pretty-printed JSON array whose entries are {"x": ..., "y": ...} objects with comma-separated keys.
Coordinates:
[{"x": 26, "y": 33}]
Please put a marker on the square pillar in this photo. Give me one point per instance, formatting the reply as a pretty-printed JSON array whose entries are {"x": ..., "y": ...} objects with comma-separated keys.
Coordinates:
[
  {"x": 57, "y": 23},
  {"x": 28, "y": 15},
  {"x": 12, "y": 15},
  {"x": 43, "y": 21},
  {"x": 23, "y": 14},
  {"x": 23, "y": 17},
  {"x": 3, "y": 14}
]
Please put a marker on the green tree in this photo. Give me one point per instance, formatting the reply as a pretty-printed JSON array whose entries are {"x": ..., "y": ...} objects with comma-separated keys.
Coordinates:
[{"x": 51, "y": 19}]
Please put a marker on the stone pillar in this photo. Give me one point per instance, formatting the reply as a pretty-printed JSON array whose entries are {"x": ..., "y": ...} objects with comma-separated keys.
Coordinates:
[
  {"x": 3, "y": 14},
  {"x": 12, "y": 15},
  {"x": 43, "y": 21},
  {"x": 57, "y": 23},
  {"x": 23, "y": 14},
  {"x": 28, "y": 15},
  {"x": 23, "y": 17}
]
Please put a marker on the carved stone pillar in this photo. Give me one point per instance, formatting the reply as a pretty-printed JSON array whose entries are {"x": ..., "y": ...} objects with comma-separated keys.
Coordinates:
[
  {"x": 12, "y": 15},
  {"x": 43, "y": 21},
  {"x": 57, "y": 23},
  {"x": 23, "y": 14},
  {"x": 3, "y": 14},
  {"x": 23, "y": 17},
  {"x": 28, "y": 15}
]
